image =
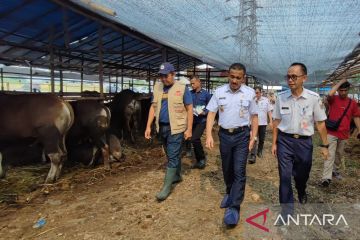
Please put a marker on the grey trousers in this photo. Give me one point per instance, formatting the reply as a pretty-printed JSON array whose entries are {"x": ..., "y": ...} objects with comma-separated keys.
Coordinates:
[{"x": 336, "y": 151}]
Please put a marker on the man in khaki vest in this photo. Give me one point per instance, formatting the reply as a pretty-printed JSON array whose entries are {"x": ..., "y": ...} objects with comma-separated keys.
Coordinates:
[{"x": 172, "y": 109}]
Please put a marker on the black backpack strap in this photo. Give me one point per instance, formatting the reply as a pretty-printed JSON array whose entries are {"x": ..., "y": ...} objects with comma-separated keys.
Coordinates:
[{"x": 344, "y": 113}]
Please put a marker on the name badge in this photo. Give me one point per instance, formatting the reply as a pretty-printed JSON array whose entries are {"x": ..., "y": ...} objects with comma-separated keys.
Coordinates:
[{"x": 304, "y": 124}]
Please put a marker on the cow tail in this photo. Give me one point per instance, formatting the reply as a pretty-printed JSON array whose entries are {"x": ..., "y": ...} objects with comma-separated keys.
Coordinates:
[
  {"x": 72, "y": 115},
  {"x": 108, "y": 112}
]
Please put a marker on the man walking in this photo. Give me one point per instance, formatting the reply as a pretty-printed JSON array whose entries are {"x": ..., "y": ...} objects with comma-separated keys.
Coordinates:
[
  {"x": 342, "y": 109},
  {"x": 295, "y": 112},
  {"x": 200, "y": 99},
  {"x": 172, "y": 108},
  {"x": 236, "y": 106},
  {"x": 264, "y": 108}
]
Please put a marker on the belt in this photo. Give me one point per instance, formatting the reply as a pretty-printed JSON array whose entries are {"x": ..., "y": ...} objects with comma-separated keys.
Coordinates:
[
  {"x": 234, "y": 130},
  {"x": 297, "y": 136},
  {"x": 164, "y": 124}
]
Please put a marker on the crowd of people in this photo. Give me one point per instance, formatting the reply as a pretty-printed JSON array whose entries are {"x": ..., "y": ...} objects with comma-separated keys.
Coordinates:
[{"x": 244, "y": 115}]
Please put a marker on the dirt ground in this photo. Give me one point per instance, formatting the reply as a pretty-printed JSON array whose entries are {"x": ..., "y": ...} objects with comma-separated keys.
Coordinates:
[{"x": 95, "y": 204}]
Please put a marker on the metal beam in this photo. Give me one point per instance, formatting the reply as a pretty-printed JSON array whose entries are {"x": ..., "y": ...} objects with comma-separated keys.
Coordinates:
[
  {"x": 105, "y": 21},
  {"x": 28, "y": 23},
  {"x": 2, "y": 79},
  {"x": 8, "y": 13},
  {"x": 100, "y": 46}
]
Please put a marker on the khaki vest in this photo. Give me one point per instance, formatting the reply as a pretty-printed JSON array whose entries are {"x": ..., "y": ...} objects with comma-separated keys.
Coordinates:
[{"x": 176, "y": 107}]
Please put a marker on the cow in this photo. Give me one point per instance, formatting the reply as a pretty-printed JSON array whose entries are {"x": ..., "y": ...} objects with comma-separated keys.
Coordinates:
[
  {"x": 42, "y": 118},
  {"x": 92, "y": 120},
  {"x": 126, "y": 114},
  {"x": 84, "y": 152}
]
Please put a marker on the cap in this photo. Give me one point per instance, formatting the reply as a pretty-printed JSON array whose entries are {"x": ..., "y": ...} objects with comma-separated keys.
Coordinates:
[{"x": 166, "y": 68}]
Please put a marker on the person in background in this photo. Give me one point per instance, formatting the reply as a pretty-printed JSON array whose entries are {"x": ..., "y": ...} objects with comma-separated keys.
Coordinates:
[
  {"x": 338, "y": 105},
  {"x": 200, "y": 98},
  {"x": 264, "y": 108}
]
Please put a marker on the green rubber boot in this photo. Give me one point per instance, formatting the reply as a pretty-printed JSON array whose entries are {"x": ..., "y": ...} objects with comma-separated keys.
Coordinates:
[
  {"x": 178, "y": 177},
  {"x": 166, "y": 190}
]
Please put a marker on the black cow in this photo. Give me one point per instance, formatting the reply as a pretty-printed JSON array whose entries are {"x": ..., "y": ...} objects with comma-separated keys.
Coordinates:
[
  {"x": 42, "y": 118},
  {"x": 128, "y": 110},
  {"x": 92, "y": 120},
  {"x": 89, "y": 155}
]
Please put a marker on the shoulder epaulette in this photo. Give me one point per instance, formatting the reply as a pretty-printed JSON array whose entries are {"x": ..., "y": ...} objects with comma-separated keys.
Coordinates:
[
  {"x": 286, "y": 91},
  {"x": 312, "y": 93}
]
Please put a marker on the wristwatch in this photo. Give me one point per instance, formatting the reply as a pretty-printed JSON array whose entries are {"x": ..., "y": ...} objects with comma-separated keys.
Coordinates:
[
  {"x": 324, "y": 145},
  {"x": 255, "y": 138}
]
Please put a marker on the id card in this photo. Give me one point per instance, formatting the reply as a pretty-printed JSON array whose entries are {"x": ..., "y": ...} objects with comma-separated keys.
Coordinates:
[{"x": 304, "y": 124}]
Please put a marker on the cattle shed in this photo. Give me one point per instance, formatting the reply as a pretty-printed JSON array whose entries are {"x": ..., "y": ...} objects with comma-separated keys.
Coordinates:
[{"x": 56, "y": 40}]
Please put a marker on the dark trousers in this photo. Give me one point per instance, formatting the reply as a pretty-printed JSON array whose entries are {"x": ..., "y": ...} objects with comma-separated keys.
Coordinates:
[
  {"x": 172, "y": 146},
  {"x": 234, "y": 150},
  {"x": 294, "y": 159},
  {"x": 197, "y": 132},
  {"x": 258, "y": 147}
]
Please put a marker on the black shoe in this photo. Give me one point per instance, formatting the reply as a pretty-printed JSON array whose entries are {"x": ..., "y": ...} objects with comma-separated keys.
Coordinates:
[
  {"x": 325, "y": 183},
  {"x": 259, "y": 154},
  {"x": 302, "y": 198},
  {"x": 199, "y": 164},
  {"x": 252, "y": 160}
]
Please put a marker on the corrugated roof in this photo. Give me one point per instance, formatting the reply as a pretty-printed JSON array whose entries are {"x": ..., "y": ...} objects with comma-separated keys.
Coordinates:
[{"x": 66, "y": 35}]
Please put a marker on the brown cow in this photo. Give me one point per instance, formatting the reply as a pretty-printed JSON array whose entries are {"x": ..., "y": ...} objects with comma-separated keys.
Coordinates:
[{"x": 36, "y": 117}]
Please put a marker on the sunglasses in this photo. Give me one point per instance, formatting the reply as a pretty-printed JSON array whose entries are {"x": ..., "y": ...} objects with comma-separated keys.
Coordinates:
[{"x": 292, "y": 77}]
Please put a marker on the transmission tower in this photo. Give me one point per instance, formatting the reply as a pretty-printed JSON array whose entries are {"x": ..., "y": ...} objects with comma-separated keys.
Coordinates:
[{"x": 246, "y": 32}]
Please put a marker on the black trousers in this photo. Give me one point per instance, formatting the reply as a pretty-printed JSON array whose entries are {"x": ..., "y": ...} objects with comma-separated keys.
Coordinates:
[
  {"x": 261, "y": 138},
  {"x": 197, "y": 132},
  {"x": 234, "y": 149},
  {"x": 295, "y": 160}
]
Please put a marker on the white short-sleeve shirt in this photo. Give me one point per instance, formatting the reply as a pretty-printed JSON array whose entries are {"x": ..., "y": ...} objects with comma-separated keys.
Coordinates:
[
  {"x": 298, "y": 115},
  {"x": 235, "y": 108}
]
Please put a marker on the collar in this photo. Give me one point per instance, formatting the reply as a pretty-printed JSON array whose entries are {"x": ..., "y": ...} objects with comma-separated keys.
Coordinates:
[
  {"x": 228, "y": 89},
  {"x": 201, "y": 90},
  {"x": 261, "y": 98},
  {"x": 304, "y": 94}
]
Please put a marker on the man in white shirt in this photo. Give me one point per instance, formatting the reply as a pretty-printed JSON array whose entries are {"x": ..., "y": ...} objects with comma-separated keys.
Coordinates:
[{"x": 264, "y": 108}]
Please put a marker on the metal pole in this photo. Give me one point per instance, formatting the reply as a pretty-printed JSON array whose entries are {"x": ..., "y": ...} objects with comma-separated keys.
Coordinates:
[
  {"x": 100, "y": 54},
  {"x": 61, "y": 77},
  {"x": 117, "y": 82},
  {"x": 207, "y": 78},
  {"x": 31, "y": 79},
  {"x": 122, "y": 62},
  {"x": 52, "y": 72},
  {"x": 110, "y": 82},
  {"x": 2, "y": 79},
  {"x": 178, "y": 67},
  {"x": 82, "y": 74},
  {"x": 149, "y": 79},
  {"x": 164, "y": 55}
]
